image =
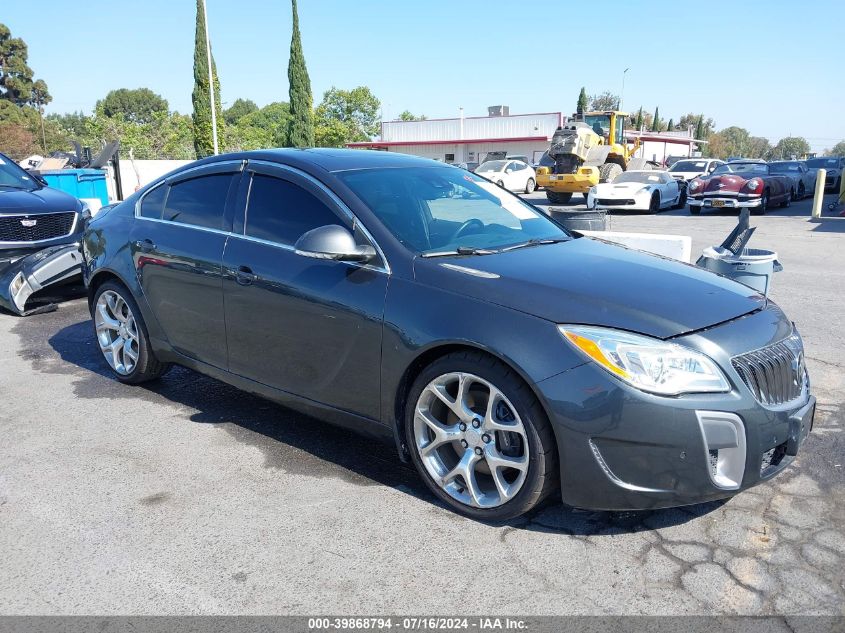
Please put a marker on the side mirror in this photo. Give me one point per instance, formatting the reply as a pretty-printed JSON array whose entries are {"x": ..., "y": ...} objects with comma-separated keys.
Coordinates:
[{"x": 333, "y": 242}]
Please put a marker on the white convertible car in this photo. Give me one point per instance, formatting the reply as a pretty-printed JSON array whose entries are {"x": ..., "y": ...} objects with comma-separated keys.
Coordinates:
[{"x": 639, "y": 191}]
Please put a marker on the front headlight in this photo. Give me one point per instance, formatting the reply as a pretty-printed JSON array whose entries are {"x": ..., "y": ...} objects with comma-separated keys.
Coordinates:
[
  {"x": 695, "y": 184},
  {"x": 649, "y": 364}
]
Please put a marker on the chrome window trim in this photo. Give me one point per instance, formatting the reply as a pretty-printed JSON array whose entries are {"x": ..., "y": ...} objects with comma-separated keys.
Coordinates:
[
  {"x": 49, "y": 239},
  {"x": 356, "y": 221}
]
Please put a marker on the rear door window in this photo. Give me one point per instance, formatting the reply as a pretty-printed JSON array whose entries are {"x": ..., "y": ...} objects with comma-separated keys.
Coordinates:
[{"x": 200, "y": 201}]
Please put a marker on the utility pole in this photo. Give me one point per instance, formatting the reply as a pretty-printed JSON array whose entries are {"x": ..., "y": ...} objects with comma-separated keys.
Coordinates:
[
  {"x": 210, "y": 81},
  {"x": 622, "y": 94}
]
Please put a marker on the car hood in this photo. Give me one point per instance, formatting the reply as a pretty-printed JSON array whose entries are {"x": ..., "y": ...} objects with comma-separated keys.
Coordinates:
[
  {"x": 44, "y": 200},
  {"x": 587, "y": 281},
  {"x": 609, "y": 190},
  {"x": 726, "y": 182}
]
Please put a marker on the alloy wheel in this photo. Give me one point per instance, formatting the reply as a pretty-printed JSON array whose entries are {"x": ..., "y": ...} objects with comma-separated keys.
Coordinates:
[
  {"x": 117, "y": 332},
  {"x": 471, "y": 440}
]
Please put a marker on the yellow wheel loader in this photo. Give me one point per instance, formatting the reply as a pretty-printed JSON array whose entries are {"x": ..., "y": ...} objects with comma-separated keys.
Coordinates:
[{"x": 588, "y": 149}]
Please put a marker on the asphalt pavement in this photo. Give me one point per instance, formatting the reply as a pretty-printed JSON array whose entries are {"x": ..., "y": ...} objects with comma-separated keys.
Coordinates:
[{"x": 189, "y": 497}]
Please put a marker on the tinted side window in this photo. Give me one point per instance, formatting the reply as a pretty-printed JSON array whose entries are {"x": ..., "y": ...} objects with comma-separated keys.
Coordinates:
[
  {"x": 280, "y": 211},
  {"x": 153, "y": 202},
  {"x": 199, "y": 201}
]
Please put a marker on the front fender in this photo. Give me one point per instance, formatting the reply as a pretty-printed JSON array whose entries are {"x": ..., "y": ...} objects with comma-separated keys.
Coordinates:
[{"x": 21, "y": 278}]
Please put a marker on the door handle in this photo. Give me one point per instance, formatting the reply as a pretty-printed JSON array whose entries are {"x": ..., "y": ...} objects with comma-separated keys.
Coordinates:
[
  {"x": 244, "y": 275},
  {"x": 145, "y": 246}
]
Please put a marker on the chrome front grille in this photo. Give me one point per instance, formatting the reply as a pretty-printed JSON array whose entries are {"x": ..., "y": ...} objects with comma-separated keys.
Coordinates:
[
  {"x": 775, "y": 374},
  {"x": 36, "y": 227}
]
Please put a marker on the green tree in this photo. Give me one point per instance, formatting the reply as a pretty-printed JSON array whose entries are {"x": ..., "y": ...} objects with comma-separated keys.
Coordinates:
[
  {"x": 671, "y": 125},
  {"x": 201, "y": 97},
  {"x": 789, "y": 147},
  {"x": 301, "y": 126},
  {"x": 239, "y": 109},
  {"x": 16, "y": 140},
  {"x": 262, "y": 129},
  {"x": 605, "y": 101},
  {"x": 758, "y": 147},
  {"x": 409, "y": 116},
  {"x": 346, "y": 116},
  {"x": 655, "y": 122},
  {"x": 638, "y": 124},
  {"x": 40, "y": 98},
  {"x": 138, "y": 105},
  {"x": 732, "y": 141},
  {"x": 837, "y": 150},
  {"x": 16, "y": 77},
  {"x": 699, "y": 128},
  {"x": 583, "y": 102}
]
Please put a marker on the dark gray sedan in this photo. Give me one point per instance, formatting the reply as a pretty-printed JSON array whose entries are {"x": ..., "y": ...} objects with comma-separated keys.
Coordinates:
[{"x": 509, "y": 360}]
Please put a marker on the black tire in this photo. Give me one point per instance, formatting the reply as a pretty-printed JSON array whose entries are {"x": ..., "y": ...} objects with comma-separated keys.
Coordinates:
[
  {"x": 764, "y": 204},
  {"x": 694, "y": 209},
  {"x": 148, "y": 367},
  {"x": 543, "y": 476},
  {"x": 558, "y": 198},
  {"x": 788, "y": 202},
  {"x": 530, "y": 185},
  {"x": 609, "y": 171},
  {"x": 654, "y": 204},
  {"x": 501, "y": 184},
  {"x": 682, "y": 200},
  {"x": 802, "y": 192}
]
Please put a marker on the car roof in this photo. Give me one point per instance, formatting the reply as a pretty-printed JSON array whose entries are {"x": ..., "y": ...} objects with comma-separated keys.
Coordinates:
[{"x": 329, "y": 159}]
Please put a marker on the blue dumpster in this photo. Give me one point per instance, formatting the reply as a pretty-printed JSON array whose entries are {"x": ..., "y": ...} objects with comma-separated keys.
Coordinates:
[{"x": 80, "y": 183}]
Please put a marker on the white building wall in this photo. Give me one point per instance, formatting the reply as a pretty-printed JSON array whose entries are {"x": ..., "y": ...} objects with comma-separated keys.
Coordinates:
[
  {"x": 515, "y": 126},
  {"x": 469, "y": 152}
]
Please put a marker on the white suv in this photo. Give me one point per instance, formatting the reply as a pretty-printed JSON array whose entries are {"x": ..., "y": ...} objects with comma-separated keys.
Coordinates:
[{"x": 688, "y": 168}]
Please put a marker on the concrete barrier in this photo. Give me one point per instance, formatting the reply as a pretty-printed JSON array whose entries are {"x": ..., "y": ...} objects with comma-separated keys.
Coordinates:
[{"x": 672, "y": 246}]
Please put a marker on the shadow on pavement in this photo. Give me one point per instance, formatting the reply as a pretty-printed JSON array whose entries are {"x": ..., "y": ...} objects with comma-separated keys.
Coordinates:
[{"x": 293, "y": 442}]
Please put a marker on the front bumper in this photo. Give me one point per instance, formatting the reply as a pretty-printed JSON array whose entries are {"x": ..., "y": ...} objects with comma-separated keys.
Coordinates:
[
  {"x": 624, "y": 449},
  {"x": 724, "y": 202},
  {"x": 568, "y": 183},
  {"x": 23, "y": 274}
]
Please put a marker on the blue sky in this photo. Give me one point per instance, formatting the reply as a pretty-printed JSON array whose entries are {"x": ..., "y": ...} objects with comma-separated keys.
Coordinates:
[{"x": 772, "y": 67}]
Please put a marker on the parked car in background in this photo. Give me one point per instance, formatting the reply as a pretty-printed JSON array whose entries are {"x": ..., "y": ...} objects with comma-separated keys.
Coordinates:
[
  {"x": 738, "y": 184},
  {"x": 513, "y": 175},
  {"x": 689, "y": 168},
  {"x": 40, "y": 231},
  {"x": 803, "y": 181},
  {"x": 510, "y": 361},
  {"x": 671, "y": 160},
  {"x": 833, "y": 165},
  {"x": 470, "y": 166},
  {"x": 649, "y": 190}
]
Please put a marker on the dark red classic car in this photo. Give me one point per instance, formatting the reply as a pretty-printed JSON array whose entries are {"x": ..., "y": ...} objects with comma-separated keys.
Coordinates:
[{"x": 740, "y": 184}]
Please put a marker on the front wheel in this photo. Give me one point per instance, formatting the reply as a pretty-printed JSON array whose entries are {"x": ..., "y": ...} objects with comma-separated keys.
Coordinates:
[
  {"x": 558, "y": 198},
  {"x": 479, "y": 437},
  {"x": 764, "y": 205},
  {"x": 654, "y": 204},
  {"x": 529, "y": 186},
  {"x": 122, "y": 335},
  {"x": 501, "y": 184},
  {"x": 682, "y": 199}
]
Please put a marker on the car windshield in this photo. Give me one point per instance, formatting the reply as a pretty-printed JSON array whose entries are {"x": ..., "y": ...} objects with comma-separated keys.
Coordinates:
[
  {"x": 746, "y": 169},
  {"x": 492, "y": 165},
  {"x": 689, "y": 165},
  {"x": 823, "y": 163},
  {"x": 785, "y": 168},
  {"x": 643, "y": 177},
  {"x": 435, "y": 210},
  {"x": 13, "y": 177}
]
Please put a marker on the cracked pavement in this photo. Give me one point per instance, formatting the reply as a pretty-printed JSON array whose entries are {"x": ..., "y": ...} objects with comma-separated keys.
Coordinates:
[{"x": 190, "y": 497}]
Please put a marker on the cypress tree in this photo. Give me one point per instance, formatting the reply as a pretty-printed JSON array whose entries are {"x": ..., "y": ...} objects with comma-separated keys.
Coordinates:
[
  {"x": 699, "y": 128},
  {"x": 639, "y": 125},
  {"x": 582, "y": 102},
  {"x": 655, "y": 124},
  {"x": 201, "y": 97},
  {"x": 301, "y": 126},
  {"x": 671, "y": 125}
]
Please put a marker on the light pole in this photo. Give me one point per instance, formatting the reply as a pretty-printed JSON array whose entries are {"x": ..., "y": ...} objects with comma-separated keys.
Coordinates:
[
  {"x": 210, "y": 80},
  {"x": 622, "y": 94}
]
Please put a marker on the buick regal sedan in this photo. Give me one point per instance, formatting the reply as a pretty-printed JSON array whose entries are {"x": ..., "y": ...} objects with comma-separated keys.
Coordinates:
[{"x": 511, "y": 361}]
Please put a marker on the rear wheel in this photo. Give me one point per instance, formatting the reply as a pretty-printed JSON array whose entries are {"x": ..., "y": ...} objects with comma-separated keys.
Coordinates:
[
  {"x": 802, "y": 192},
  {"x": 788, "y": 201},
  {"x": 558, "y": 198},
  {"x": 122, "y": 335},
  {"x": 479, "y": 437},
  {"x": 682, "y": 199},
  {"x": 609, "y": 171},
  {"x": 529, "y": 186}
]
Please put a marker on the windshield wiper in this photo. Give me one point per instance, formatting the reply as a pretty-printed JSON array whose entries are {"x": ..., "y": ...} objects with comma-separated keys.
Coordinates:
[
  {"x": 537, "y": 241},
  {"x": 461, "y": 250}
]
